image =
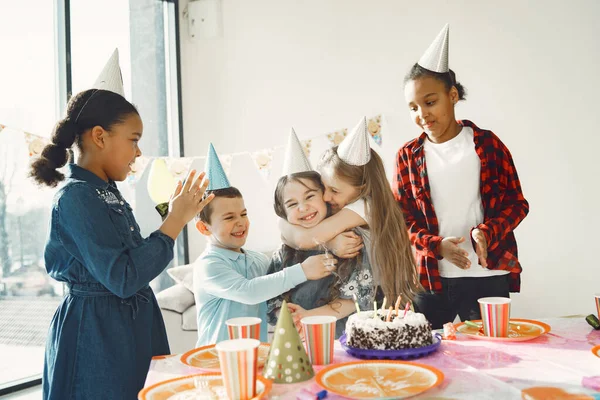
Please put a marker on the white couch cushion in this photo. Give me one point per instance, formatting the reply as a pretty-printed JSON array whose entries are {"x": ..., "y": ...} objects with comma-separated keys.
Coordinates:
[
  {"x": 176, "y": 298},
  {"x": 190, "y": 322},
  {"x": 183, "y": 275}
]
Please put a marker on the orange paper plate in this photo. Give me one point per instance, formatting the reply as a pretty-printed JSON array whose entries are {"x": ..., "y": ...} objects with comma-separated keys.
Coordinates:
[
  {"x": 379, "y": 379},
  {"x": 596, "y": 350},
  {"x": 199, "y": 386},
  {"x": 519, "y": 330},
  {"x": 206, "y": 357}
]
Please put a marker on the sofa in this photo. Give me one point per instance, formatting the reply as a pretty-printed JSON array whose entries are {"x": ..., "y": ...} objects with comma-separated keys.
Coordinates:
[{"x": 179, "y": 312}]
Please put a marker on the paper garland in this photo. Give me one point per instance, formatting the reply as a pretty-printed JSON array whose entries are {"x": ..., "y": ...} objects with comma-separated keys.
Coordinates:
[{"x": 178, "y": 167}]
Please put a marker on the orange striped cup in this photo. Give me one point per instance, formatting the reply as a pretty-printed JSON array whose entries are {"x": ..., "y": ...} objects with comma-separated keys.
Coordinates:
[
  {"x": 319, "y": 333},
  {"x": 598, "y": 304},
  {"x": 238, "y": 359},
  {"x": 244, "y": 328},
  {"x": 495, "y": 314}
]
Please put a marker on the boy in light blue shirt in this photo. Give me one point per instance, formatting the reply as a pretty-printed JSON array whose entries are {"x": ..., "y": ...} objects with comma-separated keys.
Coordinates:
[{"x": 230, "y": 281}]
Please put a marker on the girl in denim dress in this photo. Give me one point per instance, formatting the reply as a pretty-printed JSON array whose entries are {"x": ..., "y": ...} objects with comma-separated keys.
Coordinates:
[{"x": 107, "y": 329}]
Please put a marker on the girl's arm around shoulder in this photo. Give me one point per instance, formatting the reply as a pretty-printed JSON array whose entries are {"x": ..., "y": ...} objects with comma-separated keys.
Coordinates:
[{"x": 307, "y": 238}]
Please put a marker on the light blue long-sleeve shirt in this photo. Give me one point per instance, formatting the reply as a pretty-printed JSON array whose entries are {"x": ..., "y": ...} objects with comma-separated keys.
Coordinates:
[{"x": 228, "y": 284}]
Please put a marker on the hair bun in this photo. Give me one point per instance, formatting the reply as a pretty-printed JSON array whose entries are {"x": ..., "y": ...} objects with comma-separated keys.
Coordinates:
[
  {"x": 65, "y": 133},
  {"x": 57, "y": 155}
]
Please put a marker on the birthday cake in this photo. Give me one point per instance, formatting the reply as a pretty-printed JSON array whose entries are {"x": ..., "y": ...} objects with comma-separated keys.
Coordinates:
[{"x": 406, "y": 331}]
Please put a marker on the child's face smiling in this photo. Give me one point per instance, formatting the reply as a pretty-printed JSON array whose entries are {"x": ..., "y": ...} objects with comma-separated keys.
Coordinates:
[
  {"x": 338, "y": 193},
  {"x": 122, "y": 147},
  {"x": 229, "y": 222},
  {"x": 304, "y": 203},
  {"x": 432, "y": 107}
]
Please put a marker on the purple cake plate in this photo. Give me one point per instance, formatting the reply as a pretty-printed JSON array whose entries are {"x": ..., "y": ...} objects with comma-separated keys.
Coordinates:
[{"x": 404, "y": 354}]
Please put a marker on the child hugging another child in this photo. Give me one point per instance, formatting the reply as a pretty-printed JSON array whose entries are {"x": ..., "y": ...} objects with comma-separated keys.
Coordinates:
[
  {"x": 299, "y": 201},
  {"x": 230, "y": 281},
  {"x": 360, "y": 197}
]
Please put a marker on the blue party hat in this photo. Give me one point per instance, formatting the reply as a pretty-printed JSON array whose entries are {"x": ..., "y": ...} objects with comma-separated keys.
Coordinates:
[{"x": 214, "y": 171}]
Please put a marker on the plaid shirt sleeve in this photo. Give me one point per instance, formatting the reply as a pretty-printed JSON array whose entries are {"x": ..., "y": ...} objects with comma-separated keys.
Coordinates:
[
  {"x": 512, "y": 207},
  {"x": 424, "y": 241}
]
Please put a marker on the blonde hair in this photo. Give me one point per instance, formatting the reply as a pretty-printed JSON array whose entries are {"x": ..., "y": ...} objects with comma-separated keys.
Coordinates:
[{"x": 391, "y": 254}]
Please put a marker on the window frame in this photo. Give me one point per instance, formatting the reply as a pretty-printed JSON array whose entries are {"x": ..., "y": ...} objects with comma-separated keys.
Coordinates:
[{"x": 63, "y": 81}]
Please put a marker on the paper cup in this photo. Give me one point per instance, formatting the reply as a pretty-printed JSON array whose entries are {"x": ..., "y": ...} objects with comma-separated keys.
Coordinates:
[
  {"x": 238, "y": 359},
  {"x": 495, "y": 314},
  {"x": 244, "y": 328},
  {"x": 597, "y": 298},
  {"x": 319, "y": 333}
]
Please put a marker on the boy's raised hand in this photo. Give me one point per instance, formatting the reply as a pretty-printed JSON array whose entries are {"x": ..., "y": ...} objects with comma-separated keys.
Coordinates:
[{"x": 319, "y": 266}]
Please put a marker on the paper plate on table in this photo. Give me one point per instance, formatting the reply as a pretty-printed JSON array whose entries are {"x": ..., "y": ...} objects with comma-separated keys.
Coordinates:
[
  {"x": 379, "y": 379},
  {"x": 519, "y": 330},
  {"x": 596, "y": 350},
  {"x": 206, "y": 357},
  {"x": 197, "y": 387},
  {"x": 402, "y": 354}
]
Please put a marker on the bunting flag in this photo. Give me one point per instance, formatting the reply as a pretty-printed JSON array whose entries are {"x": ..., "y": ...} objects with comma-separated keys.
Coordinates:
[
  {"x": 306, "y": 147},
  {"x": 35, "y": 144},
  {"x": 262, "y": 159},
  {"x": 226, "y": 163},
  {"x": 137, "y": 169},
  {"x": 374, "y": 128},
  {"x": 178, "y": 167},
  {"x": 337, "y": 137}
]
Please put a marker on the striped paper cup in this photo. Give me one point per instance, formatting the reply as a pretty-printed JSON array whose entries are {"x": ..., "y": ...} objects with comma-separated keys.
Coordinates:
[
  {"x": 495, "y": 314},
  {"x": 598, "y": 304},
  {"x": 238, "y": 359},
  {"x": 244, "y": 328},
  {"x": 319, "y": 333}
]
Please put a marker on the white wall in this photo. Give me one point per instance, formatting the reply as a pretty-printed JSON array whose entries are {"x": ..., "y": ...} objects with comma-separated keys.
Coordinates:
[{"x": 531, "y": 69}]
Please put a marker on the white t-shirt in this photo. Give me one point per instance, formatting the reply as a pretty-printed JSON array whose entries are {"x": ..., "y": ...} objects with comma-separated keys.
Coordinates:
[
  {"x": 454, "y": 171},
  {"x": 360, "y": 207}
]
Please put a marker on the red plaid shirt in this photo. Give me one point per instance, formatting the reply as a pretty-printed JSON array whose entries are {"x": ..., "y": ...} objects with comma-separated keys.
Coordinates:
[{"x": 504, "y": 206}]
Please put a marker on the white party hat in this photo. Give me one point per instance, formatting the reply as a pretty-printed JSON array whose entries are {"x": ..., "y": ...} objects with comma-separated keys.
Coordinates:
[
  {"x": 295, "y": 159},
  {"x": 110, "y": 78},
  {"x": 355, "y": 148},
  {"x": 435, "y": 57}
]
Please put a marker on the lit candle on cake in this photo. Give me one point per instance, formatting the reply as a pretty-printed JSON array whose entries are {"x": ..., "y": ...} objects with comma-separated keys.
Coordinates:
[
  {"x": 389, "y": 315},
  {"x": 406, "y": 308},
  {"x": 397, "y": 306}
]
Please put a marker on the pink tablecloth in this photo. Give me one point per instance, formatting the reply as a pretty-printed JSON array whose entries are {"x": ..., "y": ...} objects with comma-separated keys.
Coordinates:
[{"x": 477, "y": 369}]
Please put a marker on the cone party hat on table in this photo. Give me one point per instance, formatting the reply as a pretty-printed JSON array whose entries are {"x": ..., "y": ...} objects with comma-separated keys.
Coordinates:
[{"x": 287, "y": 361}]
